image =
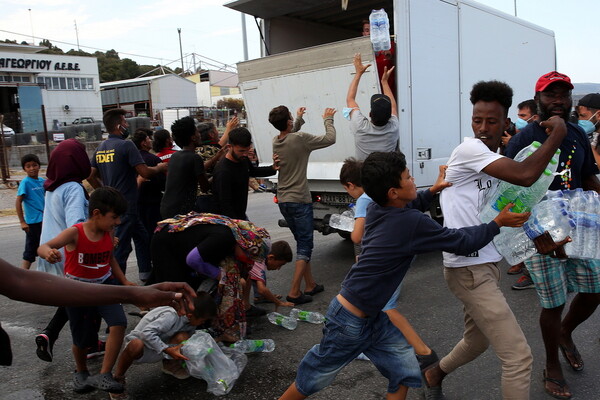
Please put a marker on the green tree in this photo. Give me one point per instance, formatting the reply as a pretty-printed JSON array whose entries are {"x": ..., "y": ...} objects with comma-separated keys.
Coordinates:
[
  {"x": 52, "y": 49},
  {"x": 231, "y": 103}
]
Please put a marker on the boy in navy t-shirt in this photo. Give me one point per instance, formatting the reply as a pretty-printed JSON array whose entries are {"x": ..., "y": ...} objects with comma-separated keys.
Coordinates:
[
  {"x": 30, "y": 207},
  {"x": 355, "y": 323}
]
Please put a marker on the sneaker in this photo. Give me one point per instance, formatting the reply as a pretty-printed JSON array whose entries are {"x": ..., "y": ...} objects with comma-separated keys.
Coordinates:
[
  {"x": 524, "y": 282},
  {"x": 105, "y": 382},
  {"x": 44, "y": 347},
  {"x": 254, "y": 311},
  {"x": 175, "y": 369},
  {"x": 80, "y": 382},
  {"x": 97, "y": 350},
  {"x": 516, "y": 269},
  {"x": 428, "y": 360}
]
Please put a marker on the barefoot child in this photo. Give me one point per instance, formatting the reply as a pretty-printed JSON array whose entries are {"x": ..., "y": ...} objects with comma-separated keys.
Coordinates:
[{"x": 89, "y": 258}]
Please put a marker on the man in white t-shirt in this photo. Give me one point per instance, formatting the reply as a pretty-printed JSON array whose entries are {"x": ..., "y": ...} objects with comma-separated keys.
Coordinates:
[
  {"x": 381, "y": 133},
  {"x": 475, "y": 279}
]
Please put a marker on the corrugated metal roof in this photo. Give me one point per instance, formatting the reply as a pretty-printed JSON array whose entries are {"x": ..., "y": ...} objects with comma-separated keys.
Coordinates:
[{"x": 139, "y": 81}]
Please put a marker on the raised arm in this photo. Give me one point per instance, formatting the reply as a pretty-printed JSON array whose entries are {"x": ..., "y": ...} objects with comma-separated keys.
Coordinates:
[
  {"x": 232, "y": 123},
  {"x": 385, "y": 86},
  {"x": 359, "y": 71}
]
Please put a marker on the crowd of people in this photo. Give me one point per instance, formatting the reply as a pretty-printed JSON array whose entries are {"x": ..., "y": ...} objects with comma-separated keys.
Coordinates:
[{"x": 185, "y": 212}]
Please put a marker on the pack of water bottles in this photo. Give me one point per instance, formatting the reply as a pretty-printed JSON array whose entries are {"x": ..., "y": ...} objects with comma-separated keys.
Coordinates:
[
  {"x": 583, "y": 210},
  {"x": 380, "y": 30},
  {"x": 220, "y": 367},
  {"x": 573, "y": 213},
  {"x": 343, "y": 221}
]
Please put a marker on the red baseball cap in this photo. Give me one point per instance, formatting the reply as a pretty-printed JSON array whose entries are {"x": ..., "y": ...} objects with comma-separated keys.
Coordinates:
[{"x": 551, "y": 77}]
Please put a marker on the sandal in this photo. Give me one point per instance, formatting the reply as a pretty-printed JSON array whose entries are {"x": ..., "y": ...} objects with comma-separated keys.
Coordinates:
[
  {"x": 561, "y": 383},
  {"x": 316, "y": 289},
  {"x": 572, "y": 356}
]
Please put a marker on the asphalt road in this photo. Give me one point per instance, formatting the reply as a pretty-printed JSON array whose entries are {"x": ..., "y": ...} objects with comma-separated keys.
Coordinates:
[{"x": 425, "y": 301}]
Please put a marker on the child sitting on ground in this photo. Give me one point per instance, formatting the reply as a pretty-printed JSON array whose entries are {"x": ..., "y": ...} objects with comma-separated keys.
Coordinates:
[
  {"x": 89, "y": 258},
  {"x": 279, "y": 255},
  {"x": 161, "y": 333},
  {"x": 394, "y": 233},
  {"x": 30, "y": 198},
  {"x": 351, "y": 181}
]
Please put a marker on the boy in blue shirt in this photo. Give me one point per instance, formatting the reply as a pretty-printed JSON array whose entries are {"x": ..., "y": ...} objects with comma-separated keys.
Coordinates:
[
  {"x": 30, "y": 207},
  {"x": 355, "y": 321}
]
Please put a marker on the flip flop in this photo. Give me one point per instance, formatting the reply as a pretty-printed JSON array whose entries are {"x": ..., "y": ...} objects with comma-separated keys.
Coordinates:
[
  {"x": 572, "y": 354},
  {"x": 561, "y": 383},
  {"x": 316, "y": 289}
]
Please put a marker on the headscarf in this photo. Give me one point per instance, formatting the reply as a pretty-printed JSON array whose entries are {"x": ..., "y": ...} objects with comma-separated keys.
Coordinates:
[
  {"x": 253, "y": 240},
  {"x": 68, "y": 162}
]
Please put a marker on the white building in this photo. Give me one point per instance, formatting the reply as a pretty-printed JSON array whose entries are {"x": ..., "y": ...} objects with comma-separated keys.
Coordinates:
[
  {"x": 67, "y": 87},
  {"x": 212, "y": 86},
  {"x": 149, "y": 95}
]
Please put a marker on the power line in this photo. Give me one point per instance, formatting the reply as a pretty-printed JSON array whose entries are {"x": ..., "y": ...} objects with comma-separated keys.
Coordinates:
[{"x": 221, "y": 64}]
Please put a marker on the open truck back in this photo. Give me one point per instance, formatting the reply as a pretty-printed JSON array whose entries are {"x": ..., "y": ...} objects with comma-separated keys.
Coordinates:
[{"x": 443, "y": 47}]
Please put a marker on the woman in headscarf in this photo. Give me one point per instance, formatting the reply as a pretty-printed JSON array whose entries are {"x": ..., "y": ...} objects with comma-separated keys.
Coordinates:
[
  {"x": 66, "y": 204},
  {"x": 189, "y": 248}
]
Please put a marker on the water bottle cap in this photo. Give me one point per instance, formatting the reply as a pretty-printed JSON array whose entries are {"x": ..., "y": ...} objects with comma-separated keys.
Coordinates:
[
  {"x": 547, "y": 172},
  {"x": 536, "y": 144},
  {"x": 557, "y": 152},
  {"x": 553, "y": 161}
]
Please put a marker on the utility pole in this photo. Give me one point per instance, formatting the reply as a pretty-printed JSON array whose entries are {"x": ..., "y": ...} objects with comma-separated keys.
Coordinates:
[
  {"x": 77, "y": 35},
  {"x": 244, "y": 38},
  {"x": 31, "y": 23},
  {"x": 515, "y": 8},
  {"x": 180, "y": 50}
]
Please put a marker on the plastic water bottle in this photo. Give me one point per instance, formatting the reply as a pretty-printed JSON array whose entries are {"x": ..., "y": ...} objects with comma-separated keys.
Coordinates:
[
  {"x": 514, "y": 245},
  {"x": 523, "y": 198},
  {"x": 386, "y": 42},
  {"x": 255, "y": 346},
  {"x": 552, "y": 216},
  {"x": 375, "y": 34},
  {"x": 308, "y": 316},
  {"x": 282, "y": 320},
  {"x": 343, "y": 221}
]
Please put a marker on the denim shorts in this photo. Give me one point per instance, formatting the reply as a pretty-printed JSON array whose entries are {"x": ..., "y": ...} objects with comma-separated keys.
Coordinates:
[
  {"x": 299, "y": 217},
  {"x": 345, "y": 336}
]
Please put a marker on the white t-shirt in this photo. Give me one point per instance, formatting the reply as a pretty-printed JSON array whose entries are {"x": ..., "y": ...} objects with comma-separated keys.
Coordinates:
[{"x": 460, "y": 202}]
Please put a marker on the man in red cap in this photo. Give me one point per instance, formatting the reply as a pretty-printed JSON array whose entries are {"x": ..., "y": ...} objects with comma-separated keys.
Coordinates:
[{"x": 551, "y": 276}]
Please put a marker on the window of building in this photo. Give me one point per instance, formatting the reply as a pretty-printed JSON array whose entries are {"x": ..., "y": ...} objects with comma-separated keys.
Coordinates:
[{"x": 61, "y": 83}]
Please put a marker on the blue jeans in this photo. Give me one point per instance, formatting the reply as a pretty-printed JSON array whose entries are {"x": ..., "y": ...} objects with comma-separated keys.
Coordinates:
[
  {"x": 299, "y": 217},
  {"x": 131, "y": 227},
  {"x": 345, "y": 336}
]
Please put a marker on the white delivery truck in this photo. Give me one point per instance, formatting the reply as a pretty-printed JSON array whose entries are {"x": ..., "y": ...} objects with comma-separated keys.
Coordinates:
[{"x": 443, "y": 47}]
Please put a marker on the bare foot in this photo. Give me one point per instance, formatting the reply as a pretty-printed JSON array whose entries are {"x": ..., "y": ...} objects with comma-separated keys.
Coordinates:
[{"x": 434, "y": 375}]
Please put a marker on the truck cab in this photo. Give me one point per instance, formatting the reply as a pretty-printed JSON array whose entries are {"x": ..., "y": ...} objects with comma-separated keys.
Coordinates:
[{"x": 443, "y": 47}]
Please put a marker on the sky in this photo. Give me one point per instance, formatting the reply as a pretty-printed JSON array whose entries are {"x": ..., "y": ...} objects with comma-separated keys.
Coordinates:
[{"x": 146, "y": 31}]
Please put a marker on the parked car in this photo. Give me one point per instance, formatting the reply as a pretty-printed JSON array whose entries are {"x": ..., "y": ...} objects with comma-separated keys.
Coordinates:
[
  {"x": 88, "y": 120},
  {"x": 7, "y": 130}
]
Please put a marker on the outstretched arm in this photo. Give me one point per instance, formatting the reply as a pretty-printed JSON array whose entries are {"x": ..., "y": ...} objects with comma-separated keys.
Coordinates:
[
  {"x": 359, "y": 71},
  {"x": 385, "y": 86},
  {"x": 46, "y": 289}
]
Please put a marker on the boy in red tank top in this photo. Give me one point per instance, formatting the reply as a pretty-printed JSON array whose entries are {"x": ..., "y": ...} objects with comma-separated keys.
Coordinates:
[{"x": 89, "y": 258}]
